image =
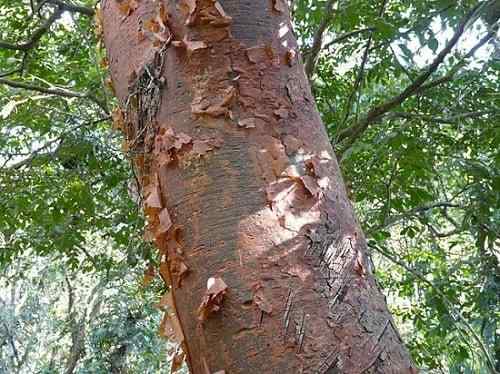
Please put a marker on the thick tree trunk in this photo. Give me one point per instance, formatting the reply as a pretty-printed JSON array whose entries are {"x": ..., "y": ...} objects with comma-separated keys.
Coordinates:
[{"x": 241, "y": 185}]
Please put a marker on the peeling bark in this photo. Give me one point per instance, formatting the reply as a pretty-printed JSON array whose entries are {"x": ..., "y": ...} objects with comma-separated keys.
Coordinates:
[{"x": 242, "y": 188}]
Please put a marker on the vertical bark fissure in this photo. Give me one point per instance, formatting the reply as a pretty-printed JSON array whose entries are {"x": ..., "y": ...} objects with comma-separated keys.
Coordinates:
[{"x": 242, "y": 189}]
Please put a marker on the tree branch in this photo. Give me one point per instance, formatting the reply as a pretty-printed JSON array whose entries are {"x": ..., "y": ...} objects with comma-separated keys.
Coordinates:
[
  {"x": 57, "y": 91},
  {"x": 445, "y": 120},
  {"x": 455, "y": 313},
  {"x": 73, "y": 8},
  {"x": 37, "y": 34},
  {"x": 312, "y": 55},
  {"x": 361, "y": 70},
  {"x": 347, "y": 35},
  {"x": 352, "y": 133}
]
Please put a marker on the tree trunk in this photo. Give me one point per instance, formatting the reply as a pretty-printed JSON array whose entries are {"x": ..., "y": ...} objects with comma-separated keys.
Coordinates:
[{"x": 266, "y": 261}]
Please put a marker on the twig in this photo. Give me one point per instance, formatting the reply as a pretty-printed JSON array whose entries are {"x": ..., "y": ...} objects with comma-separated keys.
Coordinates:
[
  {"x": 57, "y": 91},
  {"x": 350, "y": 134},
  {"x": 312, "y": 55},
  {"x": 37, "y": 34},
  {"x": 456, "y": 314}
]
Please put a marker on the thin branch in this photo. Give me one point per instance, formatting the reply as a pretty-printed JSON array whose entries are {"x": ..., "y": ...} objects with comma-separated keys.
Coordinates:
[
  {"x": 347, "y": 35},
  {"x": 451, "y": 74},
  {"x": 361, "y": 71},
  {"x": 413, "y": 212},
  {"x": 312, "y": 54},
  {"x": 37, "y": 34},
  {"x": 57, "y": 91},
  {"x": 73, "y": 8},
  {"x": 37, "y": 152},
  {"x": 352, "y": 133},
  {"x": 444, "y": 120},
  {"x": 456, "y": 314}
]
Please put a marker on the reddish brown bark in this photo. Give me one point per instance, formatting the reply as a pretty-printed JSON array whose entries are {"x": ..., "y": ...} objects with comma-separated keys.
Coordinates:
[{"x": 241, "y": 186}]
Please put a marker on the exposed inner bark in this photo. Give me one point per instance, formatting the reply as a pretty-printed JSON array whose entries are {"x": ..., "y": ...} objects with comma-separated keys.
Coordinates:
[{"x": 242, "y": 189}]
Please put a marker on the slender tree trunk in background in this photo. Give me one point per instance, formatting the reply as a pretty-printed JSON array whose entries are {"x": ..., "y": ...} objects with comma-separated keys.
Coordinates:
[{"x": 241, "y": 185}]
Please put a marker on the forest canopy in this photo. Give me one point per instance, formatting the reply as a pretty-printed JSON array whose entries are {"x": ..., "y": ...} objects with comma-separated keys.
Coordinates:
[{"x": 409, "y": 94}]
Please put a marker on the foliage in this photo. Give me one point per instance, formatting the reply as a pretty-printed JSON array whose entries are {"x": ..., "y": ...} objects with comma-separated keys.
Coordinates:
[{"x": 417, "y": 138}]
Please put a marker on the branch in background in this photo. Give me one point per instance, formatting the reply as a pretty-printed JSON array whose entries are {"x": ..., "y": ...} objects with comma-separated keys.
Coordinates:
[
  {"x": 350, "y": 134},
  {"x": 57, "y": 91},
  {"x": 37, "y": 34},
  {"x": 20, "y": 69},
  {"x": 413, "y": 212},
  {"x": 73, "y": 8},
  {"x": 444, "y": 120},
  {"x": 415, "y": 27},
  {"x": 455, "y": 313},
  {"x": 361, "y": 71},
  {"x": 312, "y": 54},
  {"x": 37, "y": 152},
  {"x": 451, "y": 74},
  {"x": 348, "y": 35}
]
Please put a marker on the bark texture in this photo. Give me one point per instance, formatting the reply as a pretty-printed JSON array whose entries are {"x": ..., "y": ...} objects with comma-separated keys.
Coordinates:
[{"x": 265, "y": 259}]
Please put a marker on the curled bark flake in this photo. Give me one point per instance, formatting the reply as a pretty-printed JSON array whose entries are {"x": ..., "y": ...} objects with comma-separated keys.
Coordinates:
[
  {"x": 257, "y": 54},
  {"x": 359, "y": 268},
  {"x": 292, "y": 144},
  {"x": 291, "y": 57},
  {"x": 179, "y": 269},
  {"x": 215, "y": 16},
  {"x": 118, "y": 119},
  {"x": 170, "y": 326},
  {"x": 261, "y": 301},
  {"x": 212, "y": 301},
  {"x": 281, "y": 113},
  {"x": 202, "y": 106},
  {"x": 181, "y": 140},
  {"x": 201, "y": 147},
  {"x": 278, "y": 6},
  {"x": 165, "y": 272},
  {"x": 190, "y": 45},
  {"x": 165, "y": 221},
  {"x": 247, "y": 123},
  {"x": 226, "y": 20},
  {"x": 128, "y": 7},
  {"x": 191, "y": 6},
  {"x": 178, "y": 360},
  {"x": 311, "y": 186},
  {"x": 154, "y": 198}
]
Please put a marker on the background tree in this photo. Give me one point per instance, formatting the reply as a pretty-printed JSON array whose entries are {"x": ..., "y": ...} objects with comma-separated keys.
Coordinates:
[{"x": 423, "y": 174}]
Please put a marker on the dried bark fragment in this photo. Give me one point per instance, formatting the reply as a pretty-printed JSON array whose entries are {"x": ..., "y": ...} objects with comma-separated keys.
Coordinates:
[
  {"x": 256, "y": 54},
  {"x": 165, "y": 221},
  {"x": 118, "y": 119},
  {"x": 191, "y": 6},
  {"x": 202, "y": 106},
  {"x": 260, "y": 300},
  {"x": 247, "y": 123},
  {"x": 127, "y": 7},
  {"x": 154, "y": 198},
  {"x": 212, "y": 301},
  {"x": 311, "y": 186},
  {"x": 226, "y": 20},
  {"x": 179, "y": 269},
  {"x": 165, "y": 272},
  {"x": 292, "y": 144},
  {"x": 291, "y": 57},
  {"x": 281, "y": 113},
  {"x": 170, "y": 326},
  {"x": 278, "y": 6},
  {"x": 178, "y": 360}
]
